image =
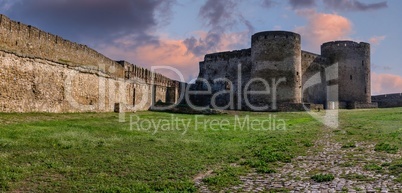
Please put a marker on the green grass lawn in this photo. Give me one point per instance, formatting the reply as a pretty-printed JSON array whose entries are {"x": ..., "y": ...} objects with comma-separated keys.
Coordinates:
[
  {"x": 95, "y": 152},
  {"x": 378, "y": 126}
]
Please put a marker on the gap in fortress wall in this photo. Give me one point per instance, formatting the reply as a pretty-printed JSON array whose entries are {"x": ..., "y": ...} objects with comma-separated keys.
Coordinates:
[
  {"x": 41, "y": 72},
  {"x": 289, "y": 78}
]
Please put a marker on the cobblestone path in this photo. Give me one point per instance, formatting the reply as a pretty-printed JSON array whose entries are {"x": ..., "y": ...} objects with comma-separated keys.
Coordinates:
[{"x": 347, "y": 165}]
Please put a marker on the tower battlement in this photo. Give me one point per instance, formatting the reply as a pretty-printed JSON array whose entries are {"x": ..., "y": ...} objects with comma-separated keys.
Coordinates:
[
  {"x": 274, "y": 34},
  {"x": 278, "y": 54},
  {"x": 345, "y": 43}
]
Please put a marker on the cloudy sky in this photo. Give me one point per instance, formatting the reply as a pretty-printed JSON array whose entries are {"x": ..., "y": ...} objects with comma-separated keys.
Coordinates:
[{"x": 179, "y": 33}]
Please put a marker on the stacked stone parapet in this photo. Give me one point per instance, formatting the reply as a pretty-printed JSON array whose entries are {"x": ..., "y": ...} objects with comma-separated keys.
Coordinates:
[
  {"x": 307, "y": 76},
  {"x": 354, "y": 69},
  {"x": 277, "y": 54},
  {"x": 42, "y": 72},
  {"x": 346, "y": 43},
  {"x": 29, "y": 41},
  {"x": 135, "y": 72},
  {"x": 227, "y": 55},
  {"x": 269, "y": 35},
  {"x": 317, "y": 57}
]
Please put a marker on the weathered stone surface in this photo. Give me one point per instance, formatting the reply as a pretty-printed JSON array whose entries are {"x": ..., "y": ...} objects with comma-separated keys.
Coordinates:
[
  {"x": 37, "y": 85},
  {"x": 277, "y": 55},
  {"x": 41, "y": 72},
  {"x": 388, "y": 100},
  {"x": 354, "y": 69},
  {"x": 292, "y": 75}
]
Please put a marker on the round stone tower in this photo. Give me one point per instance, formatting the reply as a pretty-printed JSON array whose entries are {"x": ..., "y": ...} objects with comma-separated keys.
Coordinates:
[
  {"x": 354, "y": 69},
  {"x": 276, "y": 58}
]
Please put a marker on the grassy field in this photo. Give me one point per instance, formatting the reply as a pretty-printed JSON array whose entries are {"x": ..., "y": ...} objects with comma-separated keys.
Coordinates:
[{"x": 164, "y": 152}]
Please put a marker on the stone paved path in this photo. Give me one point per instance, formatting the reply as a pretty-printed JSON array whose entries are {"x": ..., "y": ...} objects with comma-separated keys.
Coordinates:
[{"x": 347, "y": 165}]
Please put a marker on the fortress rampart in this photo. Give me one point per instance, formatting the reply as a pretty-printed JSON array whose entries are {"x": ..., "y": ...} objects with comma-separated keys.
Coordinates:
[
  {"x": 313, "y": 65},
  {"x": 283, "y": 61},
  {"x": 301, "y": 76},
  {"x": 270, "y": 35},
  {"x": 42, "y": 72},
  {"x": 388, "y": 100},
  {"x": 354, "y": 69},
  {"x": 227, "y": 55},
  {"x": 29, "y": 41}
]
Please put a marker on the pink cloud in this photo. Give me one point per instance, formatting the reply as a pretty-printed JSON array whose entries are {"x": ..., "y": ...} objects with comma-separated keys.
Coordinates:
[
  {"x": 322, "y": 27},
  {"x": 376, "y": 40},
  {"x": 385, "y": 83},
  {"x": 170, "y": 52}
]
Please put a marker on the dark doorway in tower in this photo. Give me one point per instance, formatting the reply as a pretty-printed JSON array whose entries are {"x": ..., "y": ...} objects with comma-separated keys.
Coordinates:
[{"x": 170, "y": 95}]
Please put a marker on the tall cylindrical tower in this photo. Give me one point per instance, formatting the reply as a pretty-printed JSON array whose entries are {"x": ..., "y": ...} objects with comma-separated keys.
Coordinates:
[
  {"x": 354, "y": 69},
  {"x": 276, "y": 58}
]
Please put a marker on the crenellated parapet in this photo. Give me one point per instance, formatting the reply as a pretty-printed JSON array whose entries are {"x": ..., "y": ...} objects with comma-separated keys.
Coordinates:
[
  {"x": 339, "y": 50},
  {"x": 29, "y": 41},
  {"x": 272, "y": 35},
  {"x": 26, "y": 40},
  {"x": 354, "y": 69},
  {"x": 277, "y": 55},
  {"x": 227, "y": 55},
  {"x": 346, "y": 43},
  {"x": 42, "y": 72},
  {"x": 310, "y": 55},
  {"x": 143, "y": 75}
]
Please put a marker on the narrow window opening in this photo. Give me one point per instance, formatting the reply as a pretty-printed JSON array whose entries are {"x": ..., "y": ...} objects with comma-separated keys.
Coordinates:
[
  {"x": 134, "y": 97},
  {"x": 351, "y": 78},
  {"x": 227, "y": 86},
  {"x": 362, "y": 62}
]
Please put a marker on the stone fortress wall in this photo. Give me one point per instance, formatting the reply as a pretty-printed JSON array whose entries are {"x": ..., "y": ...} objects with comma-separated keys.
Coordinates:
[
  {"x": 314, "y": 65},
  {"x": 388, "y": 100},
  {"x": 41, "y": 72},
  {"x": 283, "y": 61},
  {"x": 354, "y": 69},
  {"x": 219, "y": 66},
  {"x": 309, "y": 77}
]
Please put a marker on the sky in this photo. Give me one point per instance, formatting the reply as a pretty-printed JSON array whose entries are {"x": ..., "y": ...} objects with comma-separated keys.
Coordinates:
[{"x": 179, "y": 33}]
